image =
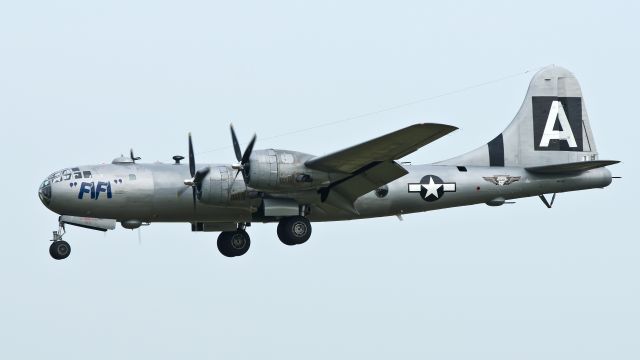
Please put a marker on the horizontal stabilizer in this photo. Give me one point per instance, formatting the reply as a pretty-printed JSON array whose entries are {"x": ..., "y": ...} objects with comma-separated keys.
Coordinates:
[{"x": 573, "y": 167}]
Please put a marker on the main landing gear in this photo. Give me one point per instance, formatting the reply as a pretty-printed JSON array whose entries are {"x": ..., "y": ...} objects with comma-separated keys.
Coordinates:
[
  {"x": 234, "y": 243},
  {"x": 59, "y": 248},
  {"x": 294, "y": 230}
]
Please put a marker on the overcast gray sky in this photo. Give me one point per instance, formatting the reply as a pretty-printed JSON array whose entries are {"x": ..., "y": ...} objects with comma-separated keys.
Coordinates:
[{"x": 82, "y": 82}]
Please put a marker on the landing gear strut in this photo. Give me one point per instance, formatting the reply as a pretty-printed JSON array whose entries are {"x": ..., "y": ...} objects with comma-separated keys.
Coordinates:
[
  {"x": 59, "y": 248},
  {"x": 234, "y": 243},
  {"x": 294, "y": 230}
]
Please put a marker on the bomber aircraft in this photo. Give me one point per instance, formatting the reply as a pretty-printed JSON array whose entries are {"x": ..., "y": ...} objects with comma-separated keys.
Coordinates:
[{"x": 548, "y": 148}]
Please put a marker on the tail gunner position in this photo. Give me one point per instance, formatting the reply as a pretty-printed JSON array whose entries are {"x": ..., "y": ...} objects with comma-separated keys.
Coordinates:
[{"x": 547, "y": 148}]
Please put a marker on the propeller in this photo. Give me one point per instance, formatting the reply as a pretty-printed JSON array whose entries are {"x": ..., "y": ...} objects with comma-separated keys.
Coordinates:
[
  {"x": 196, "y": 176},
  {"x": 243, "y": 158},
  {"x": 133, "y": 158}
]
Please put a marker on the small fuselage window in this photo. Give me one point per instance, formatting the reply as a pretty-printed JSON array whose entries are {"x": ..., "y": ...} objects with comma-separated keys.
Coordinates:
[{"x": 382, "y": 191}]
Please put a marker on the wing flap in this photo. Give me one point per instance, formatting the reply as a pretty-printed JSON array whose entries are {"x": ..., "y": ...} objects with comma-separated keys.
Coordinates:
[
  {"x": 388, "y": 147},
  {"x": 343, "y": 193}
]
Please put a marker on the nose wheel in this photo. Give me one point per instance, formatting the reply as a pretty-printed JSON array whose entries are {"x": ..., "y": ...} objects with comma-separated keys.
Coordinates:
[
  {"x": 59, "y": 248},
  {"x": 294, "y": 230}
]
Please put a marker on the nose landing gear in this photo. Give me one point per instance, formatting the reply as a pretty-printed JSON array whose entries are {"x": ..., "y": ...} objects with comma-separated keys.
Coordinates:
[{"x": 59, "y": 248}]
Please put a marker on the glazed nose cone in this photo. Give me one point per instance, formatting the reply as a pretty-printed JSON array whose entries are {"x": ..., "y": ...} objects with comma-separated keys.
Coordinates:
[{"x": 44, "y": 192}]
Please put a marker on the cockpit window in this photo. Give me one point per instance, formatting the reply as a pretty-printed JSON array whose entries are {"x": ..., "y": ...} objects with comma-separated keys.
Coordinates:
[
  {"x": 55, "y": 177},
  {"x": 76, "y": 173},
  {"x": 45, "y": 192},
  {"x": 66, "y": 174}
]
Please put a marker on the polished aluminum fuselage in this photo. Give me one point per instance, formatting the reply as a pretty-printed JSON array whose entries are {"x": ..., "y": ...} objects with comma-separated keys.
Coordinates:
[{"x": 156, "y": 193}]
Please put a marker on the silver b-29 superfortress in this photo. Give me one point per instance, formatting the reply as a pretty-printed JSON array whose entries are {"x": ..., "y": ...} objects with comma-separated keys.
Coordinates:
[{"x": 548, "y": 148}]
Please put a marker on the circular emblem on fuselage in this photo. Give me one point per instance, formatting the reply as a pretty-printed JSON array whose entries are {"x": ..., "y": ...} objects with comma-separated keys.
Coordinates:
[{"x": 431, "y": 188}]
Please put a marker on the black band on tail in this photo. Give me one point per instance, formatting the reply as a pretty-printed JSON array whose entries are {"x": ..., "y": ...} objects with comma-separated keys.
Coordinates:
[{"x": 496, "y": 151}]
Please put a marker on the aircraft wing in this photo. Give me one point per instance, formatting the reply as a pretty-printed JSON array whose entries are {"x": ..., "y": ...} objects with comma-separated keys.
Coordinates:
[
  {"x": 371, "y": 164},
  {"x": 388, "y": 147},
  {"x": 343, "y": 193}
]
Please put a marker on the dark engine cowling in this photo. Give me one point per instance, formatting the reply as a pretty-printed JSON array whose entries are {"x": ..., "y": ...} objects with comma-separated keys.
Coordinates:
[{"x": 283, "y": 170}]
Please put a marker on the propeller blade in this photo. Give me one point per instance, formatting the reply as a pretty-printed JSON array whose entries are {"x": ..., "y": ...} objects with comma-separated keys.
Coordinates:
[
  {"x": 194, "y": 197},
  {"x": 247, "y": 152},
  {"x": 182, "y": 190},
  {"x": 200, "y": 175},
  {"x": 236, "y": 145},
  {"x": 133, "y": 158},
  {"x": 192, "y": 159}
]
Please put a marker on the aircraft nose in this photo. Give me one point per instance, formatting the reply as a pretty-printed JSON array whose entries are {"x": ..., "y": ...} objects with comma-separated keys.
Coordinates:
[{"x": 44, "y": 192}]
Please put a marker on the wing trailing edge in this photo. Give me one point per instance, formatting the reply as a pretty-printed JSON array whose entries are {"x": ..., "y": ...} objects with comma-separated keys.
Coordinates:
[{"x": 343, "y": 193}]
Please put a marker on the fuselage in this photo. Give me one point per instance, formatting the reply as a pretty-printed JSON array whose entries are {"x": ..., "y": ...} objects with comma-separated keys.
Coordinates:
[
  {"x": 156, "y": 192},
  {"x": 547, "y": 148}
]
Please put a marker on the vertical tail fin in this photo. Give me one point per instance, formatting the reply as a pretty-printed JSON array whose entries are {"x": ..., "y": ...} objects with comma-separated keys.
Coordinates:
[{"x": 551, "y": 127}]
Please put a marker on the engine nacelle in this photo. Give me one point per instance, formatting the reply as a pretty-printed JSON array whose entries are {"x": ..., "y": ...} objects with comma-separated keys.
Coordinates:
[
  {"x": 282, "y": 170},
  {"x": 220, "y": 188}
]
